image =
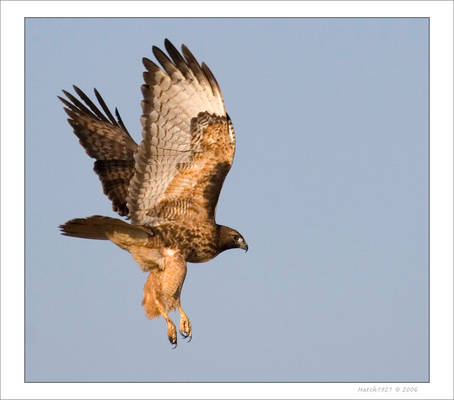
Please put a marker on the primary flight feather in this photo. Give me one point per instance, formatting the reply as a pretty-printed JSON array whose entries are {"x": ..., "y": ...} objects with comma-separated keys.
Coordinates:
[{"x": 169, "y": 185}]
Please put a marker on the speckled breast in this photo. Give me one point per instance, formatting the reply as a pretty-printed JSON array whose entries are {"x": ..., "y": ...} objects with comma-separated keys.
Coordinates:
[{"x": 197, "y": 243}]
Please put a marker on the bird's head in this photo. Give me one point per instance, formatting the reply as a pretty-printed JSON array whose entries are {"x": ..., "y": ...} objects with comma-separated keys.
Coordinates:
[{"x": 229, "y": 238}]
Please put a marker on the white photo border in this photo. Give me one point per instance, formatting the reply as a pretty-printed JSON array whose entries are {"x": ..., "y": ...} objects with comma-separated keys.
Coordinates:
[{"x": 13, "y": 16}]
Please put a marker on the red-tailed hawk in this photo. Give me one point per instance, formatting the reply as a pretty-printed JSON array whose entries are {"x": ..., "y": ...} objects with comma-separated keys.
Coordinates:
[{"x": 169, "y": 185}]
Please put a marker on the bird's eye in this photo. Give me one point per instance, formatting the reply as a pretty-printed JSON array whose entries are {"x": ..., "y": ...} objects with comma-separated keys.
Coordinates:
[{"x": 237, "y": 238}]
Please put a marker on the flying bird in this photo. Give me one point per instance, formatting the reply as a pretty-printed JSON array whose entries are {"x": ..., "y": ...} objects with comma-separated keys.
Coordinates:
[{"x": 169, "y": 185}]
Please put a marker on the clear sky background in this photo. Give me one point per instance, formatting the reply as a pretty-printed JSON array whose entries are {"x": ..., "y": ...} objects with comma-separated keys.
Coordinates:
[{"x": 329, "y": 187}]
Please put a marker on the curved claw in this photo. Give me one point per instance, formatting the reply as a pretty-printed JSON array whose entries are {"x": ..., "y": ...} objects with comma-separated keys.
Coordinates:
[
  {"x": 186, "y": 335},
  {"x": 173, "y": 342},
  {"x": 185, "y": 326}
]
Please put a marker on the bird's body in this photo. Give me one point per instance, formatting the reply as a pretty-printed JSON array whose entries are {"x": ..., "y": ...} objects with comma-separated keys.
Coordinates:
[
  {"x": 195, "y": 243},
  {"x": 169, "y": 185}
]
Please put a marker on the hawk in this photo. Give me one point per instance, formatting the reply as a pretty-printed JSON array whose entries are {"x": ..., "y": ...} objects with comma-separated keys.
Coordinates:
[{"x": 169, "y": 185}]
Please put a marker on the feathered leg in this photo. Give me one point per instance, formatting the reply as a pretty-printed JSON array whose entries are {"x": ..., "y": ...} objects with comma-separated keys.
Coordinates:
[
  {"x": 154, "y": 305},
  {"x": 162, "y": 293}
]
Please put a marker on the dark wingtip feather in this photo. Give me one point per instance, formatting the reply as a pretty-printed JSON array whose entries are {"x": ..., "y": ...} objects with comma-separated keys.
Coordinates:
[
  {"x": 77, "y": 105},
  {"x": 212, "y": 80},
  {"x": 194, "y": 65},
  {"x": 155, "y": 49},
  {"x": 159, "y": 54},
  {"x": 67, "y": 103},
  {"x": 90, "y": 104},
  {"x": 67, "y": 94},
  {"x": 178, "y": 59},
  {"x": 120, "y": 121},
  {"x": 149, "y": 65},
  {"x": 164, "y": 60},
  {"x": 171, "y": 49},
  {"x": 79, "y": 92},
  {"x": 70, "y": 112},
  {"x": 105, "y": 108}
]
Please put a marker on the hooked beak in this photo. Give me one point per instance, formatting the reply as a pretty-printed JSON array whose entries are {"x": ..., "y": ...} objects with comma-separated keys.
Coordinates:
[{"x": 244, "y": 246}]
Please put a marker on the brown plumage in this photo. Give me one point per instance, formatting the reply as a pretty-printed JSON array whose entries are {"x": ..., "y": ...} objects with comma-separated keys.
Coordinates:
[{"x": 169, "y": 185}]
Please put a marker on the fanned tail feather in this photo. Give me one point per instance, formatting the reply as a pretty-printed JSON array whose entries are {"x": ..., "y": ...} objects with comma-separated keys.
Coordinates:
[
  {"x": 104, "y": 228},
  {"x": 87, "y": 228}
]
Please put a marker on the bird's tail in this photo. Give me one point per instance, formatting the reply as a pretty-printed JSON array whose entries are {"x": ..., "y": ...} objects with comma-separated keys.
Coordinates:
[
  {"x": 87, "y": 228},
  {"x": 97, "y": 227}
]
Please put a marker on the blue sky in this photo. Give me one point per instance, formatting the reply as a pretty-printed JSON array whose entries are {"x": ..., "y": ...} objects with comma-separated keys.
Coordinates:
[{"x": 329, "y": 187}]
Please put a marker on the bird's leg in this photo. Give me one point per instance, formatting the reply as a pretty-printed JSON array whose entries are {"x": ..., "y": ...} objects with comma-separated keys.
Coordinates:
[
  {"x": 185, "y": 325},
  {"x": 171, "y": 330}
]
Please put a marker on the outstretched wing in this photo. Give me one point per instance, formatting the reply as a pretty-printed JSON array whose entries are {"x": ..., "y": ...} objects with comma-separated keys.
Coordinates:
[
  {"x": 107, "y": 140},
  {"x": 188, "y": 142}
]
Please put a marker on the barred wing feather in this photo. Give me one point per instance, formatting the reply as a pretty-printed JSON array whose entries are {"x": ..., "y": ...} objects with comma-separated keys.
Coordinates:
[
  {"x": 105, "y": 139},
  {"x": 188, "y": 142}
]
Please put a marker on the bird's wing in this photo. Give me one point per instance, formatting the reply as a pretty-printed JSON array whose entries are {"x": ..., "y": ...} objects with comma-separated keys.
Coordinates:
[
  {"x": 188, "y": 142},
  {"x": 106, "y": 139}
]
